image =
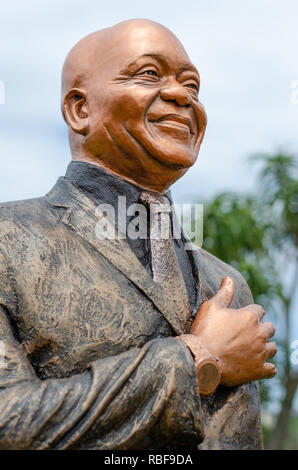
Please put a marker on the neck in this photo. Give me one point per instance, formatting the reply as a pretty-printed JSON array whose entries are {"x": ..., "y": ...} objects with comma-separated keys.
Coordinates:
[
  {"x": 157, "y": 185},
  {"x": 150, "y": 175}
]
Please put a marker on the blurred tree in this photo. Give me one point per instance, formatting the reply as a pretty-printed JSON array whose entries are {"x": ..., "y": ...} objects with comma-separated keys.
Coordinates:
[{"x": 258, "y": 235}]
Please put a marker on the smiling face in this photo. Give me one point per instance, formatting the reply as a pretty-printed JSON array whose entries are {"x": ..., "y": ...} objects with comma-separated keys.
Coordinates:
[{"x": 145, "y": 122}]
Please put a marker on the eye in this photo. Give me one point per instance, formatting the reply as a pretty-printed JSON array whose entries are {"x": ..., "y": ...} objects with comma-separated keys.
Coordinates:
[
  {"x": 151, "y": 72},
  {"x": 193, "y": 86}
]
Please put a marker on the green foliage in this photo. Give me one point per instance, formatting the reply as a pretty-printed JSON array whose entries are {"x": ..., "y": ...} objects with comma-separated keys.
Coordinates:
[
  {"x": 236, "y": 232},
  {"x": 258, "y": 234},
  {"x": 279, "y": 190}
]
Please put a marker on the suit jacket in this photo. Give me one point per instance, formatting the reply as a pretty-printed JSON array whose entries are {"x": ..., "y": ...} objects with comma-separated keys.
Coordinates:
[{"x": 92, "y": 359}]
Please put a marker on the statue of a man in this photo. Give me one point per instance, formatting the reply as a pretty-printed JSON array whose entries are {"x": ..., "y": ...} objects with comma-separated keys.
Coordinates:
[{"x": 124, "y": 342}]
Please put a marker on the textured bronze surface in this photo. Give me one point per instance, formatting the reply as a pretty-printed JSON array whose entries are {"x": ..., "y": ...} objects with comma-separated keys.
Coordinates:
[
  {"x": 164, "y": 263},
  {"x": 90, "y": 341},
  {"x": 92, "y": 357}
]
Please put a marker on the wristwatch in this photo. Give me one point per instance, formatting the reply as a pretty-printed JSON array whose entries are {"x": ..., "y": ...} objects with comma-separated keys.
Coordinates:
[{"x": 207, "y": 366}]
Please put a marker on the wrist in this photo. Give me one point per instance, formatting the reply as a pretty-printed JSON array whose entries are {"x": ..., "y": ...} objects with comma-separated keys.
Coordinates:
[{"x": 207, "y": 366}]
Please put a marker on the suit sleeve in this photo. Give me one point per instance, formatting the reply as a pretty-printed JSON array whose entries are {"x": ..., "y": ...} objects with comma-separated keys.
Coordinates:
[{"x": 143, "y": 398}]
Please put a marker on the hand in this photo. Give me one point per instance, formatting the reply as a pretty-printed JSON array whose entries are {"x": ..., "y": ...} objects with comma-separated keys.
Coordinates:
[{"x": 236, "y": 337}]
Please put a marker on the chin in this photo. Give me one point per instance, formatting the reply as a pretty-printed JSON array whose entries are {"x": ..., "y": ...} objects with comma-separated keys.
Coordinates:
[
  {"x": 168, "y": 151},
  {"x": 179, "y": 158}
]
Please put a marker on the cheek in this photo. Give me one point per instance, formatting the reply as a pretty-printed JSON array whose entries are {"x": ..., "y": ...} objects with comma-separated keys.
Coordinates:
[
  {"x": 127, "y": 105},
  {"x": 201, "y": 119}
]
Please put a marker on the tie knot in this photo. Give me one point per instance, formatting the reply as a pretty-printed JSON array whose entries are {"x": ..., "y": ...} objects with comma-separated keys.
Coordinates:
[{"x": 157, "y": 202}]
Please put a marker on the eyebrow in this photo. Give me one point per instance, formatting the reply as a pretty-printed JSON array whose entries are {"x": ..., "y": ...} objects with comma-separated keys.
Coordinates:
[{"x": 162, "y": 59}]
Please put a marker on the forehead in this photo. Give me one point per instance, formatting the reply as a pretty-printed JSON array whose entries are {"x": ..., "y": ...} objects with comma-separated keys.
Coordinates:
[{"x": 127, "y": 44}]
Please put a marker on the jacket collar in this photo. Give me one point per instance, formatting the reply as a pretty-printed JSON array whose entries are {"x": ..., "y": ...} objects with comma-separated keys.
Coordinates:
[{"x": 82, "y": 215}]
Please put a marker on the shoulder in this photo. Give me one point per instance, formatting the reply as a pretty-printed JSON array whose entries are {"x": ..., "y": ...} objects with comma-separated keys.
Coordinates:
[
  {"x": 17, "y": 208},
  {"x": 22, "y": 211},
  {"x": 21, "y": 219},
  {"x": 213, "y": 270}
]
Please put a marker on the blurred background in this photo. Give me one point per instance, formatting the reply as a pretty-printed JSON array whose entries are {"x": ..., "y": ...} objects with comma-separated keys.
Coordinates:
[{"x": 246, "y": 173}]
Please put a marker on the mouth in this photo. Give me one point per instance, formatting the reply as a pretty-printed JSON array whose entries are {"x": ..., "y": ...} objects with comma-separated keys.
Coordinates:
[{"x": 175, "y": 120}]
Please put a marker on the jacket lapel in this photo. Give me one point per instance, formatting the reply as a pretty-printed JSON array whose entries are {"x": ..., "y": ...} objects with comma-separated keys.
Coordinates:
[
  {"x": 203, "y": 289},
  {"x": 83, "y": 216}
]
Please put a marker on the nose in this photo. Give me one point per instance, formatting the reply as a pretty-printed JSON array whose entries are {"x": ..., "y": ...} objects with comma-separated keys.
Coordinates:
[{"x": 175, "y": 92}]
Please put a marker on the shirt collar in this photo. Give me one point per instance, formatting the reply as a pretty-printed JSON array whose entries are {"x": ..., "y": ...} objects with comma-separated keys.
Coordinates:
[{"x": 102, "y": 186}]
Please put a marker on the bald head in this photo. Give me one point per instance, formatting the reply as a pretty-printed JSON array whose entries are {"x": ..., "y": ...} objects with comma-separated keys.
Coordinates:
[
  {"x": 94, "y": 53},
  {"x": 130, "y": 99}
]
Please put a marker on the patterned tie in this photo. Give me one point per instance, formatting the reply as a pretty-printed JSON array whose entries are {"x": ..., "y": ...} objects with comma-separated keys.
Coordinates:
[{"x": 165, "y": 268}]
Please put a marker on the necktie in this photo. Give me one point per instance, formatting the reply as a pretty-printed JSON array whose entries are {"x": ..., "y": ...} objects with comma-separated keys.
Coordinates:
[{"x": 165, "y": 267}]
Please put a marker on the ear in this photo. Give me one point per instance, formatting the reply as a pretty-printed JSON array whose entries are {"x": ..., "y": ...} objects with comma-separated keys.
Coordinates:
[{"x": 75, "y": 110}]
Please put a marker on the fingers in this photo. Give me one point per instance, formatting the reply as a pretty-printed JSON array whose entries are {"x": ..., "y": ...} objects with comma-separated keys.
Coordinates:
[
  {"x": 269, "y": 370},
  {"x": 257, "y": 310},
  {"x": 225, "y": 293},
  {"x": 270, "y": 349},
  {"x": 268, "y": 328}
]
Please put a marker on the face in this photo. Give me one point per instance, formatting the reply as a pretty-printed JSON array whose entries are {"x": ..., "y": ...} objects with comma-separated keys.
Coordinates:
[{"x": 145, "y": 119}]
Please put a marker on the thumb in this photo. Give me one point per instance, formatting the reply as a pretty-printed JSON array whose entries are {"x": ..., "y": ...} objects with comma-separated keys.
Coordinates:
[{"x": 225, "y": 293}]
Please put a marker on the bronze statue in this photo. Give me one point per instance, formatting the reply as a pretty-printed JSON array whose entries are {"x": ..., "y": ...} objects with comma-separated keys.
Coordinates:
[{"x": 115, "y": 343}]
